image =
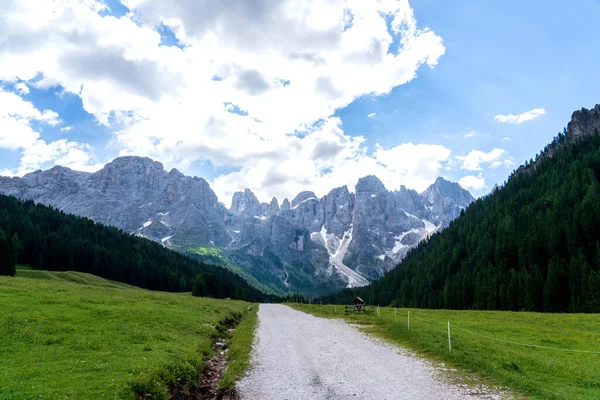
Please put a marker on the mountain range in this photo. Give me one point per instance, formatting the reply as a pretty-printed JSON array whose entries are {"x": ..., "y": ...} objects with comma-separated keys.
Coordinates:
[{"x": 343, "y": 239}]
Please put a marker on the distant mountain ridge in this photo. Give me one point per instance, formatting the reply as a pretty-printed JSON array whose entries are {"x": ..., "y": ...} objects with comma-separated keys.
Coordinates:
[{"x": 341, "y": 239}]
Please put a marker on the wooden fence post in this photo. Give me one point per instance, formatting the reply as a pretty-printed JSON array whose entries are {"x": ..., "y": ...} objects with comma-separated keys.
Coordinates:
[{"x": 449, "y": 343}]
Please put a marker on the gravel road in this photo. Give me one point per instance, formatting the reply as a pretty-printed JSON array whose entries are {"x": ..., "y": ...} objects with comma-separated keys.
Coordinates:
[{"x": 299, "y": 356}]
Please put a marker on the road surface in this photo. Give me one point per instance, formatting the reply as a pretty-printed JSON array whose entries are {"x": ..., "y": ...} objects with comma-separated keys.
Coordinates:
[{"x": 299, "y": 356}]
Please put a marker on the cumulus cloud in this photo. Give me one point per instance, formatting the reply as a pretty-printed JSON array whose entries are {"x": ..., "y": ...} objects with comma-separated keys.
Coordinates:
[
  {"x": 476, "y": 158},
  {"x": 287, "y": 66},
  {"x": 285, "y": 173},
  {"x": 472, "y": 182},
  {"x": 18, "y": 132},
  {"x": 371, "y": 115},
  {"x": 520, "y": 118},
  {"x": 22, "y": 88}
]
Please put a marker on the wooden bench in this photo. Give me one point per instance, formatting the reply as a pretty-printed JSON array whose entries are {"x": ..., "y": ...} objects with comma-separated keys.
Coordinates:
[{"x": 358, "y": 308}]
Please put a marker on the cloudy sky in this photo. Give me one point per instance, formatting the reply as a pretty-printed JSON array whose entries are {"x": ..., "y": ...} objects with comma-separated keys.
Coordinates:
[{"x": 283, "y": 96}]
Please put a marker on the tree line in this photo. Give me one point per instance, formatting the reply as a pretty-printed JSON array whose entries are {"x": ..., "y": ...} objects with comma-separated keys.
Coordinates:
[
  {"x": 532, "y": 244},
  {"x": 46, "y": 238}
]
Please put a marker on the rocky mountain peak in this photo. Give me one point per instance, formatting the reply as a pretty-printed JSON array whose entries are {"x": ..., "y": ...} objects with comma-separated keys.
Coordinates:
[
  {"x": 442, "y": 187},
  {"x": 134, "y": 161},
  {"x": 584, "y": 122},
  {"x": 448, "y": 199},
  {"x": 338, "y": 206},
  {"x": 274, "y": 204},
  {"x": 285, "y": 205},
  {"x": 175, "y": 172},
  {"x": 370, "y": 184},
  {"x": 302, "y": 197},
  {"x": 245, "y": 203}
]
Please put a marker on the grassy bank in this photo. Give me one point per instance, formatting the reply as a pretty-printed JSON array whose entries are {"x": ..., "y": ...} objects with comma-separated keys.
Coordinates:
[
  {"x": 63, "y": 338},
  {"x": 240, "y": 345},
  {"x": 480, "y": 344},
  {"x": 70, "y": 276}
]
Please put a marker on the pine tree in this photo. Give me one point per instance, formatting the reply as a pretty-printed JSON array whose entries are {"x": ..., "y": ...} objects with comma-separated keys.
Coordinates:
[
  {"x": 199, "y": 286},
  {"x": 7, "y": 255},
  {"x": 552, "y": 288}
]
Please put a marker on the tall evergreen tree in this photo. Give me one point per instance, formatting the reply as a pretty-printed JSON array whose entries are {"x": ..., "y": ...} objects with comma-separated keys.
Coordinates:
[{"x": 7, "y": 254}]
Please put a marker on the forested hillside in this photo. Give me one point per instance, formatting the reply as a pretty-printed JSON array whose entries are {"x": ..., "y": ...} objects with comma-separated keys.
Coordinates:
[
  {"x": 46, "y": 238},
  {"x": 533, "y": 244}
]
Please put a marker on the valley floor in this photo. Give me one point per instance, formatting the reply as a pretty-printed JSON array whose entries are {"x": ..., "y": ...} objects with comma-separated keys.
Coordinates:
[{"x": 299, "y": 356}]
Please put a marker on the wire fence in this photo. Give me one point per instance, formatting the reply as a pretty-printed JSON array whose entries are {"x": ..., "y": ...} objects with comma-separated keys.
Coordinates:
[{"x": 450, "y": 328}]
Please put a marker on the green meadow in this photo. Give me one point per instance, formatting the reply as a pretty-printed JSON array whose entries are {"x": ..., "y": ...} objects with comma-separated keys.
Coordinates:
[
  {"x": 66, "y": 335},
  {"x": 485, "y": 343}
]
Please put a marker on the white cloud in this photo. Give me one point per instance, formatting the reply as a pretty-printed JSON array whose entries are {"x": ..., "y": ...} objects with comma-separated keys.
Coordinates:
[
  {"x": 472, "y": 182},
  {"x": 16, "y": 117},
  {"x": 17, "y": 132},
  {"x": 253, "y": 90},
  {"x": 495, "y": 158},
  {"x": 22, "y": 88},
  {"x": 470, "y": 134},
  {"x": 506, "y": 139},
  {"x": 520, "y": 118},
  {"x": 372, "y": 115},
  {"x": 66, "y": 128},
  {"x": 327, "y": 158}
]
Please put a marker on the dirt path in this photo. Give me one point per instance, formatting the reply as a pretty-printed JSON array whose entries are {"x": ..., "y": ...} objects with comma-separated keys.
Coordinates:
[{"x": 299, "y": 356}]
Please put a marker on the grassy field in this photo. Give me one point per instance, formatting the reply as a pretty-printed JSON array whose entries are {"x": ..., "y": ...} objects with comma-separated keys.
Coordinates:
[
  {"x": 538, "y": 373},
  {"x": 77, "y": 336},
  {"x": 70, "y": 276}
]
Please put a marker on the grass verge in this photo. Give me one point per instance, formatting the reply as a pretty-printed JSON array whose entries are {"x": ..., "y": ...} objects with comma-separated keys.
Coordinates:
[
  {"x": 537, "y": 373},
  {"x": 60, "y": 339},
  {"x": 240, "y": 346}
]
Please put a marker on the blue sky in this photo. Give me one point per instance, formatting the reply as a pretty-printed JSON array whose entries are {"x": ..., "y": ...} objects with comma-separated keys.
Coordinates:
[{"x": 251, "y": 96}]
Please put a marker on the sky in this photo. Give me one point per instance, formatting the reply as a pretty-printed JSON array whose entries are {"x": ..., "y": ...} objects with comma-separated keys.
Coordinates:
[{"x": 287, "y": 96}]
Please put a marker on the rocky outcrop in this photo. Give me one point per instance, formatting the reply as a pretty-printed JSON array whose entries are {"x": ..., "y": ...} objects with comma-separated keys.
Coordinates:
[
  {"x": 338, "y": 211},
  {"x": 246, "y": 203},
  {"x": 584, "y": 122}
]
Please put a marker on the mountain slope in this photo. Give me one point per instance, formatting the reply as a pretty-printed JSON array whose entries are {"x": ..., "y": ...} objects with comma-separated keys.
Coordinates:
[
  {"x": 49, "y": 239},
  {"x": 310, "y": 244},
  {"x": 533, "y": 244}
]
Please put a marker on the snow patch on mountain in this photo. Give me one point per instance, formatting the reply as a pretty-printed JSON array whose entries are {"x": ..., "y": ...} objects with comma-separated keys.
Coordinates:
[
  {"x": 146, "y": 224},
  {"x": 337, "y": 259},
  {"x": 302, "y": 202}
]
